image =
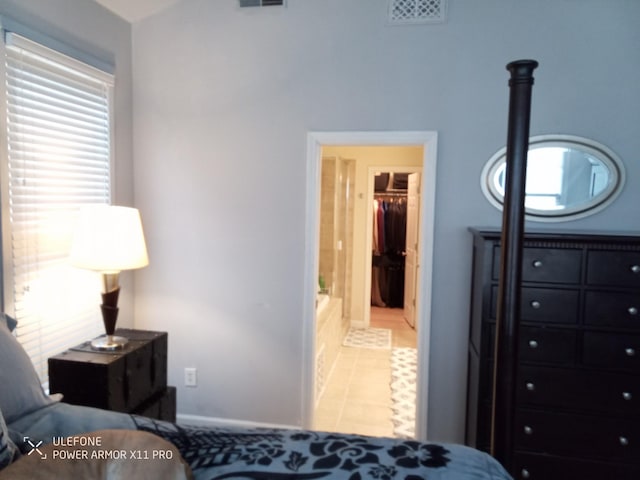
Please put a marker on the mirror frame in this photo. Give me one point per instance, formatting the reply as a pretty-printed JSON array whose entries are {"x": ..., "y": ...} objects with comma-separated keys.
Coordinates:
[{"x": 596, "y": 204}]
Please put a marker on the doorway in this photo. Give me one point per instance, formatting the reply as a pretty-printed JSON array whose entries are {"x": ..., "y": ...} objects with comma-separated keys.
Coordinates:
[
  {"x": 316, "y": 141},
  {"x": 392, "y": 274}
]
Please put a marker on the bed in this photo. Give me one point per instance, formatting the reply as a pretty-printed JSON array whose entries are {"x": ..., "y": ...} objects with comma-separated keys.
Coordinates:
[
  {"x": 43, "y": 438},
  {"x": 222, "y": 453}
]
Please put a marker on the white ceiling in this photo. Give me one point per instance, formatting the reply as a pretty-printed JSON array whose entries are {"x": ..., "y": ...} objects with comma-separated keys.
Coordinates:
[{"x": 135, "y": 10}]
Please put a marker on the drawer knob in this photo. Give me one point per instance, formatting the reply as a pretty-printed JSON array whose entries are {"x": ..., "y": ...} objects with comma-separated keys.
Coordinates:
[
  {"x": 530, "y": 386},
  {"x": 528, "y": 430},
  {"x": 624, "y": 441},
  {"x": 536, "y": 304},
  {"x": 525, "y": 473},
  {"x": 533, "y": 344},
  {"x": 635, "y": 268},
  {"x": 631, "y": 352},
  {"x": 632, "y": 311},
  {"x": 627, "y": 395},
  {"x": 537, "y": 263}
]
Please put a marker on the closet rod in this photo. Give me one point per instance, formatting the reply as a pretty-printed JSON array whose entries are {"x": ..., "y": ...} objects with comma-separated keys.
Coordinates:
[{"x": 390, "y": 194}]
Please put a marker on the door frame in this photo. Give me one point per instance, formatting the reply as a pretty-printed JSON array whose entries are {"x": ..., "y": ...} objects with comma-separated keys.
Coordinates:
[
  {"x": 315, "y": 141},
  {"x": 371, "y": 173}
]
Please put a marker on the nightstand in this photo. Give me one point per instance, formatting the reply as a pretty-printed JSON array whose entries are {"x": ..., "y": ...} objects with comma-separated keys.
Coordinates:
[{"x": 131, "y": 380}]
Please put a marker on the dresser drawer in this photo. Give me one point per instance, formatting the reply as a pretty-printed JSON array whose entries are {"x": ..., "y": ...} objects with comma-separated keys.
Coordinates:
[
  {"x": 547, "y": 345},
  {"x": 578, "y": 389},
  {"x": 553, "y": 346},
  {"x": 548, "y": 265},
  {"x": 544, "y": 305},
  {"x": 603, "y": 438},
  {"x": 613, "y": 268},
  {"x": 530, "y": 466},
  {"x": 549, "y": 305},
  {"x": 612, "y": 309},
  {"x": 612, "y": 350}
]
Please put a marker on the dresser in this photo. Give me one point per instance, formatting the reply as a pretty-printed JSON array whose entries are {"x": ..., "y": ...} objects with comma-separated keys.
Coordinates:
[{"x": 578, "y": 373}]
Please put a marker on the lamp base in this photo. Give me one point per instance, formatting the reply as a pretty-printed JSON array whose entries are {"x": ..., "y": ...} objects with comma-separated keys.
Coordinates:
[{"x": 109, "y": 343}]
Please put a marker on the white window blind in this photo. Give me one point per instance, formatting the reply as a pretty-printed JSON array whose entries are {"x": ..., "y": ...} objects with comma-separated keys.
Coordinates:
[{"x": 58, "y": 158}]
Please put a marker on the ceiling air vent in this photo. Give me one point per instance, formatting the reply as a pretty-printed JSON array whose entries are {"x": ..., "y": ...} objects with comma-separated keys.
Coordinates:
[
  {"x": 402, "y": 12},
  {"x": 261, "y": 3}
]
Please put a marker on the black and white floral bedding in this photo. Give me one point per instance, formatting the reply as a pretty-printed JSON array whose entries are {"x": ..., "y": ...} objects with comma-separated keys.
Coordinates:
[
  {"x": 272, "y": 454},
  {"x": 29, "y": 418},
  {"x": 215, "y": 453}
]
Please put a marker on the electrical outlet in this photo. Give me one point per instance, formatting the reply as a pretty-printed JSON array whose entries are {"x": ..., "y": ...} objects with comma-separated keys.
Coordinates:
[{"x": 190, "y": 377}]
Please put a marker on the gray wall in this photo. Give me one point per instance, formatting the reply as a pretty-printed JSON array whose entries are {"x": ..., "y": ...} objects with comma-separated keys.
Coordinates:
[{"x": 223, "y": 100}]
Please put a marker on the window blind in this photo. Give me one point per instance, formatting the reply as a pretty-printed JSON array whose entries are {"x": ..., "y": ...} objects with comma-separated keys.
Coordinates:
[{"x": 58, "y": 118}]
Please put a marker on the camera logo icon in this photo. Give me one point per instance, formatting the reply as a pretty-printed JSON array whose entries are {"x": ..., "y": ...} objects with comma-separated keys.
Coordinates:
[{"x": 34, "y": 447}]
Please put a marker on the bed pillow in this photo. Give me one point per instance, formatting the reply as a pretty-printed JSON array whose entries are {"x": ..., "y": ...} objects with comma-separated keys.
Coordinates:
[
  {"x": 8, "y": 450},
  {"x": 20, "y": 389}
]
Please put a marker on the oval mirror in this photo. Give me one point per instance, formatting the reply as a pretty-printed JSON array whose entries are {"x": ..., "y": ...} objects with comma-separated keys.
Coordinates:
[{"x": 568, "y": 177}]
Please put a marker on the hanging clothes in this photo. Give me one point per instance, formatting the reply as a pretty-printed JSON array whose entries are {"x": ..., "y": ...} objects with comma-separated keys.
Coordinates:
[
  {"x": 396, "y": 226},
  {"x": 382, "y": 238},
  {"x": 376, "y": 295},
  {"x": 390, "y": 220}
]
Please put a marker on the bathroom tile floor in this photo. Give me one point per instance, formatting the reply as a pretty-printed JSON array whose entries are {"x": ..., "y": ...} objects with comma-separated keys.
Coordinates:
[{"x": 357, "y": 397}]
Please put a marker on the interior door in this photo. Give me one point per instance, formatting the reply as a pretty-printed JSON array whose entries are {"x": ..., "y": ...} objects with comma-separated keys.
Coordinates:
[{"x": 411, "y": 260}]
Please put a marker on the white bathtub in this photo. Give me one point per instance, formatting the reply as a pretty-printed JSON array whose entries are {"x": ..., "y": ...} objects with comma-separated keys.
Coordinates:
[{"x": 322, "y": 300}]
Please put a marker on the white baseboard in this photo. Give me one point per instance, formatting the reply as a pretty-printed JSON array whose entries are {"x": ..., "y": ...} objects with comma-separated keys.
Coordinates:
[
  {"x": 201, "y": 421},
  {"x": 358, "y": 324}
]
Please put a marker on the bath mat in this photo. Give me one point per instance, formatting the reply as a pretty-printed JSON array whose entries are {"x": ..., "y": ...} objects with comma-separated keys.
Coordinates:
[
  {"x": 404, "y": 363},
  {"x": 368, "y": 338}
]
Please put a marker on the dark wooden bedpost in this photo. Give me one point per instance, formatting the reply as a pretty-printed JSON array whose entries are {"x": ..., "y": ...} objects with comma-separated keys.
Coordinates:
[{"x": 508, "y": 313}]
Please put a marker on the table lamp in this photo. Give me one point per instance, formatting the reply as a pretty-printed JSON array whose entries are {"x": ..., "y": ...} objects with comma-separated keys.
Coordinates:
[{"x": 109, "y": 239}]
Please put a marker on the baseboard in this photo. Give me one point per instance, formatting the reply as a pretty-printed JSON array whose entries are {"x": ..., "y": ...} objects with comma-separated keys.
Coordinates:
[{"x": 201, "y": 421}]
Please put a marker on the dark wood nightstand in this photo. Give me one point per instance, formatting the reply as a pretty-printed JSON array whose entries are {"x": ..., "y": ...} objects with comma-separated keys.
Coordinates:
[{"x": 131, "y": 380}]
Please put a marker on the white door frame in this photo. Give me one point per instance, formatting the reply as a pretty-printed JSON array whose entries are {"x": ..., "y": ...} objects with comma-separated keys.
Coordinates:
[{"x": 315, "y": 141}]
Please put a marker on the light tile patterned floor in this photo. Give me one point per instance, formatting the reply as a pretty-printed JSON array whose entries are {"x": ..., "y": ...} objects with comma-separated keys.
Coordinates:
[{"x": 357, "y": 398}]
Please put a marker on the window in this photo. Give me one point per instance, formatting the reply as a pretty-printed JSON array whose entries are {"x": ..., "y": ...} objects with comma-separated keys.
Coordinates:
[{"x": 57, "y": 158}]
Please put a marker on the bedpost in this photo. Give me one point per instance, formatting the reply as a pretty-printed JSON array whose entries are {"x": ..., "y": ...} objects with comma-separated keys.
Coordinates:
[{"x": 508, "y": 313}]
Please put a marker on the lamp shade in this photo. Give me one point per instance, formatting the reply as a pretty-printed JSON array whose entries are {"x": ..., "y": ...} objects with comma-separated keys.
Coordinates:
[{"x": 109, "y": 239}]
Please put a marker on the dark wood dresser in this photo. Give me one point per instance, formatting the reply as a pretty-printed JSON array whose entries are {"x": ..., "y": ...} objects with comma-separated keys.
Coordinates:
[
  {"x": 131, "y": 380},
  {"x": 578, "y": 380}
]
